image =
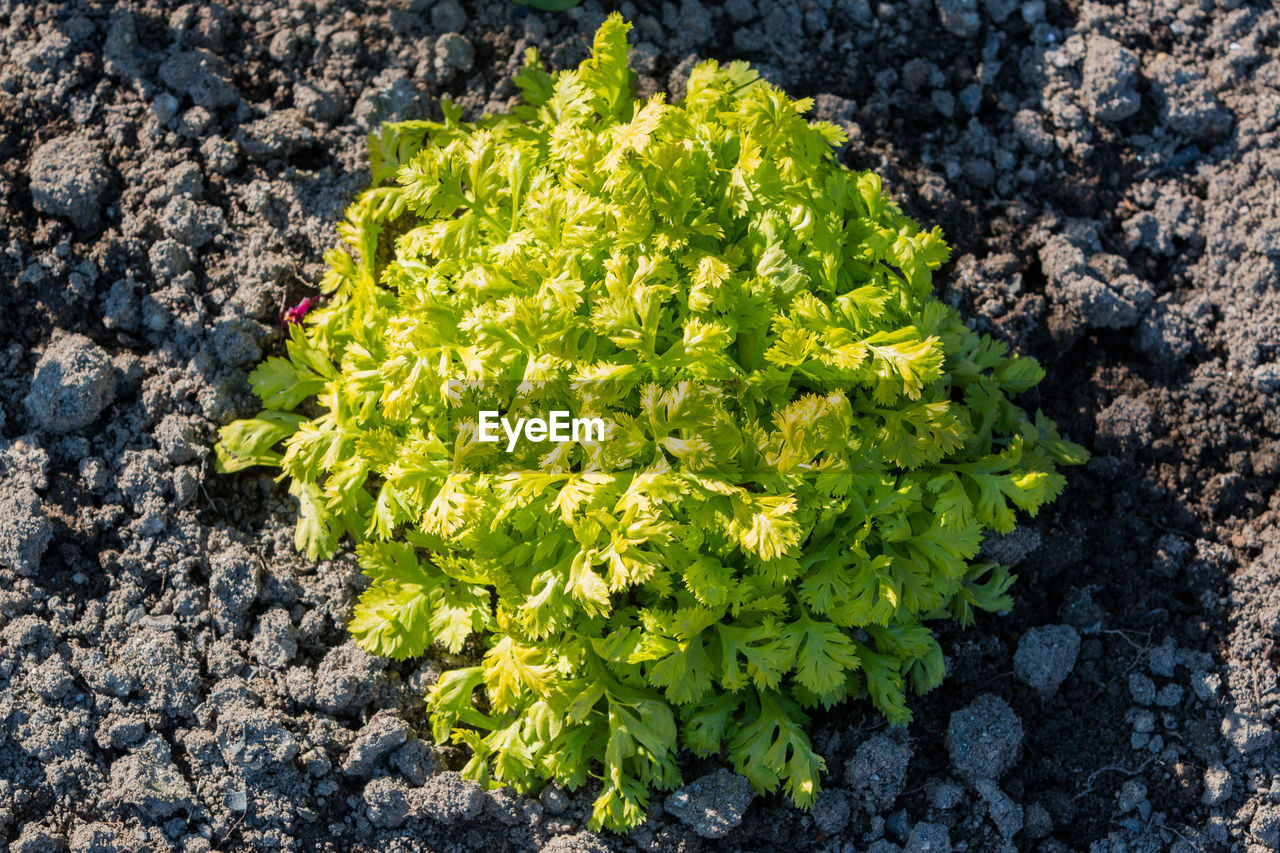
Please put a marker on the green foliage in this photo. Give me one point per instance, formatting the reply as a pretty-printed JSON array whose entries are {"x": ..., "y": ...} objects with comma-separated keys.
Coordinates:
[{"x": 804, "y": 445}]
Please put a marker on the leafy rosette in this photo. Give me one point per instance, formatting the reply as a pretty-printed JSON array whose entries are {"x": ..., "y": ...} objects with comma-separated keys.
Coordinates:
[{"x": 803, "y": 445}]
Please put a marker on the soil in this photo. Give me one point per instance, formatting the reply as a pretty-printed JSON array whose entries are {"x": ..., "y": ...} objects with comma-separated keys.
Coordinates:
[{"x": 173, "y": 676}]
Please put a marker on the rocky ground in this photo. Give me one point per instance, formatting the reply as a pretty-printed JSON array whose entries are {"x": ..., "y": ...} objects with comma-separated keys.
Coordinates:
[{"x": 174, "y": 677}]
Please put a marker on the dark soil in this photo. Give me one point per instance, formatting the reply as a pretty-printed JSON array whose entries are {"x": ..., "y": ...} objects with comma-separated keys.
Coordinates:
[{"x": 174, "y": 676}]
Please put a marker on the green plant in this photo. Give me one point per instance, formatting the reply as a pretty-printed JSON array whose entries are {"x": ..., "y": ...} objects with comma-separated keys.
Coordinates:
[{"x": 804, "y": 445}]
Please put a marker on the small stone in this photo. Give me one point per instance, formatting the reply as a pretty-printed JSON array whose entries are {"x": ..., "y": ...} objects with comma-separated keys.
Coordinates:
[
  {"x": 453, "y": 54},
  {"x": 281, "y": 133},
  {"x": 1265, "y": 826},
  {"x": 579, "y": 842},
  {"x": 959, "y": 17},
  {"x": 250, "y": 740},
  {"x": 274, "y": 640},
  {"x": 713, "y": 805},
  {"x": 1217, "y": 785},
  {"x": 120, "y": 308},
  {"x": 178, "y": 439},
  {"x": 447, "y": 16},
  {"x": 553, "y": 799},
  {"x": 944, "y": 102},
  {"x": 1045, "y": 657},
  {"x": 1142, "y": 688},
  {"x": 1161, "y": 660},
  {"x": 506, "y": 806},
  {"x": 386, "y": 802},
  {"x": 928, "y": 837},
  {"x": 169, "y": 259},
  {"x": 148, "y": 780},
  {"x": 1003, "y": 811},
  {"x": 185, "y": 483},
  {"x": 1109, "y": 90},
  {"x": 283, "y": 46},
  {"x": 220, "y": 155},
  {"x": 877, "y": 772},
  {"x": 1031, "y": 133},
  {"x": 1206, "y": 685},
  {"x": 448, "y": 798},
  {"x": 234, "y": 579},
  {"x": 25, "y": 531},
  {"x": 74, "y": 381},
  {"x": 390, "y": 97},
  {"x": 322, "y": 102},
  {"x": 831, "y": 811},
  {"x": 1144, "y": 721},
  {"x": 970, "y": 98},
  {"x": 1170, "y": 696},
  {"x": 1246, "y": 734},
  {"x": 415, "y": 761},
  {"x": 194, "y": 122},
  {"x": 1131, "y": 794},
  {"x": 944, "y": 794},
  {"x": 1187, "y": 104},
  {"x": 382, "y": 734},
  {"x": 1082, "y": 612},
  {"x": 345, "y": 679},
  {"x": 69, "y": 177},
  {"x": 236, "y": 801},
  {"x": 1037, "y": 822},
  {"x": 122, "y": 52},
  {"x": 984, "y": 738},
  {"x": 191, "y": 223},
  {"x": 202, "y": 76}
]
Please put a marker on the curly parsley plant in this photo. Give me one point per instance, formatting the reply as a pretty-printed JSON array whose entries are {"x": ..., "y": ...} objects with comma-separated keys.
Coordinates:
[{"x": 803, "y": 446}]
